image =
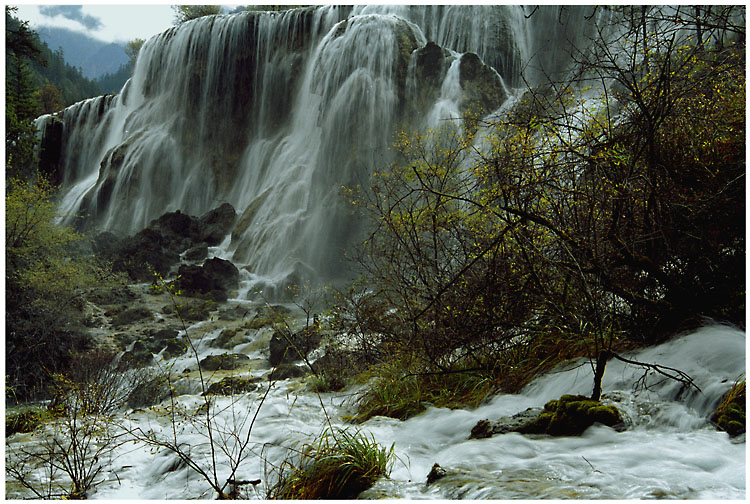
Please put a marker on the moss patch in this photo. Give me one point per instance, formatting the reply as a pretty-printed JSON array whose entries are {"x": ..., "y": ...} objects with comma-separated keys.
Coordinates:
[
  {"x": 730, "y": 415},
  {"x": 571, "y": 415}
]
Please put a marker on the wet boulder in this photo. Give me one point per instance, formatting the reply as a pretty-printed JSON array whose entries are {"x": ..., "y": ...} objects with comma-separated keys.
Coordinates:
[
  {"x": 523, "y": 422},
  {"x": 178, "y": 229},
  {"x": 142, "y": 254},
  {"x": 232, "y": 385},
  {"x": 285, "y": 371},
  {"x": 216, "y": 277},
  {"x": 130, "y": 316},
  {"x": 436, "y": 473},
  {"x": 229, "y": 338},
  {"x": 225, "y": 275},
  {"x": 214, "y": 225},
  {"x": 138, "y": 356},
  {"x": 430, "y": 68},
  {"x": 482, "y": 88},
  {"x": 287, "y": 348},
  {"x": 196, "y": 253},
  {"x": 227, "y": 362},
  {"x": 149, "y": 392}
]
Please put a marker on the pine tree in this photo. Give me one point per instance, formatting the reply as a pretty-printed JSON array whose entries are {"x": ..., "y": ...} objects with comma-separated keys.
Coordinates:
[{"x": 21, "y": 106}]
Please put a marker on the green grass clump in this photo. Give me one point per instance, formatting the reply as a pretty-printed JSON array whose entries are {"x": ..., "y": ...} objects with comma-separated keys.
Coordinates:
[
  {"x": 396, "y": 393},
  {"x": 340, "y": 464},
  {"x": 730, "y": 415},
  {"x": 26, "y": 421}
]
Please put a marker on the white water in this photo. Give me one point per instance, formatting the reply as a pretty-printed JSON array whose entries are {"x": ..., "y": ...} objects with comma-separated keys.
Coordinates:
[{"x": 669, "y": 450}]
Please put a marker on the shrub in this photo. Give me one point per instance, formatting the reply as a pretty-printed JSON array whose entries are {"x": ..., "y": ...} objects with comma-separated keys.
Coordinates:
[
  {"x": 45, "y": 276},
  {"x": 338, "y": 465}
]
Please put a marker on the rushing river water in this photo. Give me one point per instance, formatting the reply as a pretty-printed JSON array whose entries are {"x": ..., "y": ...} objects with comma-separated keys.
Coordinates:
[{"x": 670, "y": 450}]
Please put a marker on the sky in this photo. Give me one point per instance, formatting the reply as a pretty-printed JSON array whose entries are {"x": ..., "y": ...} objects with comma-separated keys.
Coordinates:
[{"x": 110, "y": 23}]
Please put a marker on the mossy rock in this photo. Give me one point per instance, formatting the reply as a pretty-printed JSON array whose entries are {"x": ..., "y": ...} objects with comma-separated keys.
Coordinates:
[
  {"x": 131, "y": 315},
  {"x": 226, "y": 362},
  {"x": 571, "y": 415},
  {"x": 268, "y": 316},
  {"x": 228, "y": 339},
  {"x": 233, "y": 385},
  {"x": 196, "y": 310},
  {"x": 730, "y": 415}
]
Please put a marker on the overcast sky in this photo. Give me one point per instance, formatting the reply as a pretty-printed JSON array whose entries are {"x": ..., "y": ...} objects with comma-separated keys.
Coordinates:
[{"x": 111, "y": 23}]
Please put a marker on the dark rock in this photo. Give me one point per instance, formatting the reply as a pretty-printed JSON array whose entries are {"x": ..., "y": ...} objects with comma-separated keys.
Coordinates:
[
  {"x": 143, "y": 254},
  {"x": 197, "y": 253},
  {"x": 435, "y": 474},
  {"x": 176, "y": 227},
  {"x": 286, "y": 348},
  {"x": 228, "y": 339},
  {"x": 267, "y": 316},
  {"x": 106, "y": 244},
  {"x": 483, "y": 91},
  {"x": 175, "y": 348},
  {"x": 196, "y": 310},
  {"x": 149, "y": 392},
  {"x": 431, "y": 65},
  {"x": 194, "y": 279},
  {"x": 225, "y": 274},
  {"x": 225, "y": 361},
  {"x": 50, "y": 149},
  {"x": 482, "y": 430},
  {"x": 233, "y": 385},
  {"x": 284, "y": 371},
  {"x": 215, "y": 275},
  {"x": 131, "y": 315},
  {"x": 213, "y": 226},
  {"x": 110, "y": 295},
  {"x": 158, "y": 246},
  {"x": 238, "y": 312},
  {"x": 168, "y": 340},
  {"x": 137, "y": 357}
]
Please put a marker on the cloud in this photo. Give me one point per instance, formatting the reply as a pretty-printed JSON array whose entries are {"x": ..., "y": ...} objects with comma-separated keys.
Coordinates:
[{"x": 72, "y": 12}]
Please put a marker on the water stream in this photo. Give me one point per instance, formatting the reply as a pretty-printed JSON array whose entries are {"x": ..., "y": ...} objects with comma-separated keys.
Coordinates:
[{"x": 669, "y": 450}]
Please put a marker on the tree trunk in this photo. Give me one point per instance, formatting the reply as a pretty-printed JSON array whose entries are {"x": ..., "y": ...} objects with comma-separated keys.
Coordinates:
[{"x": 601, "y": 362}]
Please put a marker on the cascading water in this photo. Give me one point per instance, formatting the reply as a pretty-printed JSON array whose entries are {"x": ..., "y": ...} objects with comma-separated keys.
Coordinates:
[{"x": 274, "y": 112}]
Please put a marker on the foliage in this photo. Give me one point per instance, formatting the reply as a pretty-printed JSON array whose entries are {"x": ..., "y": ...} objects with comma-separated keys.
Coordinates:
[
  {"x": 397, "y": 393},
  {"x": 340, "y": 464},
  {"x": 37, "y": 81},
  {"x": 21, "y": 48},
  {"x": 132, "y": 48},
  {"x": 183, "y": 13},
  {"x": 597, "y": 213},
  {"x": 45, "y": 277},
  {"x": 76, "y": 446}
]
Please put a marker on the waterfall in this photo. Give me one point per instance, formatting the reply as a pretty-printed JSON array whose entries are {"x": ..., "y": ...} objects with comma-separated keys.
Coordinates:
[{"x": 275, "y": 112}]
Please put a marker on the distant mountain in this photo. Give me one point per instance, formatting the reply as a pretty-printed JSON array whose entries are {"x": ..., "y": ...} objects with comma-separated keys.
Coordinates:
[{"x": 94, "y": 57}]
